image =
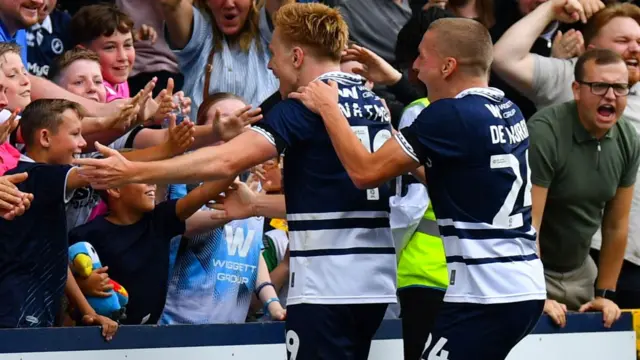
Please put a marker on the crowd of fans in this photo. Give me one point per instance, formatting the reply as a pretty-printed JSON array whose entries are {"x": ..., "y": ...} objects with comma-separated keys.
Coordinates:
[{"x": 156, "y": 79}]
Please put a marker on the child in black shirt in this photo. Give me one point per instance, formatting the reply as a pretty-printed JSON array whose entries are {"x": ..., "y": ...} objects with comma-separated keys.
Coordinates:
[{"x": 33, "y": 250}]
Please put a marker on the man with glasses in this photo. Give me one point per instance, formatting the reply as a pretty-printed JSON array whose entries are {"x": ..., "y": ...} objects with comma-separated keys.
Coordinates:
[{"x": 584, "y": 159}]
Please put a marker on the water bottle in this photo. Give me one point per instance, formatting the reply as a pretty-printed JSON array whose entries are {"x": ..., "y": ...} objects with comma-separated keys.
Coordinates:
[{"x": 180, "y": 116}]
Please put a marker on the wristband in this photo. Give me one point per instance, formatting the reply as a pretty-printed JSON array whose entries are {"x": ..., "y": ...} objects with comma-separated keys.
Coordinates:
[
  {"x": 261, "y": 286},
  {"x": 266, "y": 306}
]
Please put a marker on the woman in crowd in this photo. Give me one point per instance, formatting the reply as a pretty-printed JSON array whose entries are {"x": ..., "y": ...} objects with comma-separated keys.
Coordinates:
[{"x": 227, "y": 41}]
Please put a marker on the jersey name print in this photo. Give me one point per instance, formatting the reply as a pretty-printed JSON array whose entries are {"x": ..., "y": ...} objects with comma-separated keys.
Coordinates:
[
  {"x": 475, "y": 148},
  {"x": 339, "y": 234}
]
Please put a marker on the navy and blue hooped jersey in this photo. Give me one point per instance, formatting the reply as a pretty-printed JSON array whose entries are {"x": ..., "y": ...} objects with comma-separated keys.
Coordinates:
[
  {"x": 475, "y": 151},
  {"x": 47, "y": 41},
  {"x": 340, "y": 242}
]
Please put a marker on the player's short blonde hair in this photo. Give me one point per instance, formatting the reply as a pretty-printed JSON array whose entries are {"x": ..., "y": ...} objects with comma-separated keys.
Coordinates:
[
  {"x": 316, "y": 26},
  {"x": 465, "y": 40}
]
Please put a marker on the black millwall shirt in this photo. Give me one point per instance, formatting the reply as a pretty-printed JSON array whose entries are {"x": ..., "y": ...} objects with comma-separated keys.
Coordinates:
[{"x": 33, "y": 250}]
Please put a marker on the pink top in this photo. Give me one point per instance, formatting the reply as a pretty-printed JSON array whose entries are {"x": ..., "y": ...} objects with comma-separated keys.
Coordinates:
[
  {"x": 9, "y": 157},
  {"x": 118, "y": 91}
]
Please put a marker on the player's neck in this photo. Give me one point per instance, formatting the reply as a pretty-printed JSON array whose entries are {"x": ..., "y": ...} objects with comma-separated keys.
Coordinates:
[
  {"x": 455, "y": 87},
  {"x": 314, "y": 68},
  {"x": 119, "y": 214}
]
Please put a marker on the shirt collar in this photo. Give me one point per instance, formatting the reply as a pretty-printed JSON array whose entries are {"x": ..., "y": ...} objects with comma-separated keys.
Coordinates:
[
  {"x": 5, "y": 35},
  {"x": 25, "y": 158},
  {"x": 490, "y": 93},
  {"x": 582, "y": 135},
  {"x": 340, "y": 76},
  {"x": 46, "y": 24}
]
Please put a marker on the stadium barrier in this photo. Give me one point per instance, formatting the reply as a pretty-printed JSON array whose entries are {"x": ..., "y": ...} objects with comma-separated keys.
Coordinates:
[{"x": 584, "y": 338}]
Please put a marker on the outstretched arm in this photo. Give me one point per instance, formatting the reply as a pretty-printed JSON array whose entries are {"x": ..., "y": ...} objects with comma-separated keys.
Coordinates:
[
  {"x": 209, "y": 163},
  {"x": 365, "y": 169}
]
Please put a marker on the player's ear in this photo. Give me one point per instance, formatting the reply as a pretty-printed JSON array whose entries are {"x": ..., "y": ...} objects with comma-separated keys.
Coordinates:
[
  {"x": 448, "y": 67},
  {"x": 298, "y": 56}
]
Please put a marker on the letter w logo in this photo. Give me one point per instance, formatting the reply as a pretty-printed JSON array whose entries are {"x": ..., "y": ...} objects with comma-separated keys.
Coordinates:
[
  {"x": 495, "y": 110},
  {"x": 237, "y": 242}
]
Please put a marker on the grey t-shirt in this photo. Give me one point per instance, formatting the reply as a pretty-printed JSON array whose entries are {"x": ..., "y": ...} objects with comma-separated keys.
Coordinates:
[
  {"x": 374, "y": 24},
  {"x": 84, "y": 200}
]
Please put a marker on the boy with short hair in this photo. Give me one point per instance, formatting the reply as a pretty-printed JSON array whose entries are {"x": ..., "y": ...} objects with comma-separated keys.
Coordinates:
[
  {"x": 133, "y": 240},
  {"x": 108, "y": 31},
  {"x": 33, "y": 252}
]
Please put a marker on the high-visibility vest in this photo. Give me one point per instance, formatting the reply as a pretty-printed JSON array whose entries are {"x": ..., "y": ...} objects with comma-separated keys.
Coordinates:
[{"x": 423, "y": 261}]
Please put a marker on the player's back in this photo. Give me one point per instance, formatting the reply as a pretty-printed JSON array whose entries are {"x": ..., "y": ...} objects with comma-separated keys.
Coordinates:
[
  {"x": 341, "y": 246},
  {"x": 481, "y": 193}
]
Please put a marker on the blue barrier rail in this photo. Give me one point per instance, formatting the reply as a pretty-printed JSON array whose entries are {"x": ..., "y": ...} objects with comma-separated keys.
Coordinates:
[{"x": 150, "y": 337}]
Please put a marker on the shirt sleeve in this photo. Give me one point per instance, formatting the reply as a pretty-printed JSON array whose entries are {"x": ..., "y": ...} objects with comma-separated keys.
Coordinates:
[
  {"x": 631, "y": 173},
  {"x": 288, "y": 123},
  {"x": 429, "y": 137},
  {"x": 198, "y": 46},
  {"x": 50, "y": 183},
  {"x": 551, "y": 81},
  {"x": 166, "y": 221},
  {"x": 265, "y": 25},
  {"x": 543, "y": 151}
]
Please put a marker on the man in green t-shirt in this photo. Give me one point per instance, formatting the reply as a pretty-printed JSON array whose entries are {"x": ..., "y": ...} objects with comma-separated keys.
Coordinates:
[{"x": 584, "y": 160}]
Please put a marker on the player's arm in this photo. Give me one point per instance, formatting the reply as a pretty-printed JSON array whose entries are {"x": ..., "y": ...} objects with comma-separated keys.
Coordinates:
[
  {"x": 209, "y": 163},
  {"x": 366, "y": 170},
  {"x": 615, "y": 229}
]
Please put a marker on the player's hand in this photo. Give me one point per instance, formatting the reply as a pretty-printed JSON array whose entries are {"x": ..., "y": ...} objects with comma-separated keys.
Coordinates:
[
  {"x": 277, "y": 312},
  {"x": 180, "y": 136},
  {"x": 237, "y": 203},
  {"x": 114, "y": 170},
  {"x": 227, "y": 127},
  {"x": 96, "y": 284},
  {"x": 556, "y": 311},
  {"x": 567, "y": 45},
  {"x": 7, "y": 127},
  {"x": 146, "y": 33},
  {"x": 109, "y": 327},
  {"x": 610, "y": 310},
  {"x": 374, "y": 68},
  {"x": 317, "y": 95},
  {"x": 13, "y": 202}
]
